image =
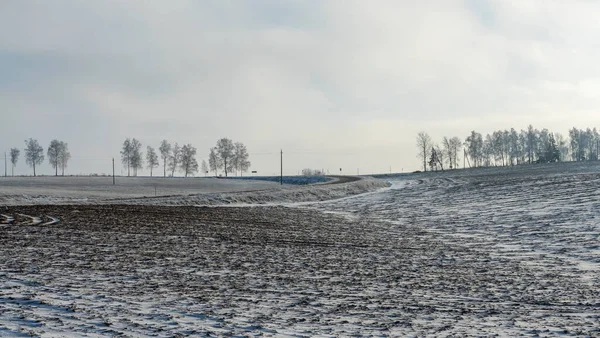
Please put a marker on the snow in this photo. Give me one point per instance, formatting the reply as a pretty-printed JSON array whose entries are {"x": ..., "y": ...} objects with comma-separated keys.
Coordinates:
[
  {"x": 63, "y": 190},
  {"x": 506, "y": 252}
]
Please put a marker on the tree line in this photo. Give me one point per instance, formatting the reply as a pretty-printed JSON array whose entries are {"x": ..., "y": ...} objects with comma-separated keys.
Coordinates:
[
  {"x": 58, "y": 155},
  {"x": 226, "y": 155},
  {"x": 508, "y": 148}
]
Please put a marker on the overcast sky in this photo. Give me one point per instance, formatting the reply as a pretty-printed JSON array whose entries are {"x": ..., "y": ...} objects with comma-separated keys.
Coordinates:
[{"x": 333, "y": 83}]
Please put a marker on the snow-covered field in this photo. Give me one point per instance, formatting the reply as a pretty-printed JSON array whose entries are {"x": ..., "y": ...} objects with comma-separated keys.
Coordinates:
[
  {"x": 503, "y": 252},
  {"x": 52, "y": 190}
]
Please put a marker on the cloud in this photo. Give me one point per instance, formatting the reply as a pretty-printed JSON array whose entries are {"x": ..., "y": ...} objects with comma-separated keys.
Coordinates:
[{"x": 359, "y": 77}]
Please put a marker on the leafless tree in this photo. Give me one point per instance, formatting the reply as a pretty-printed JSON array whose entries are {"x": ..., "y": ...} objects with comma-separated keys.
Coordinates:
[
  {"x": 424, "y": 145},
  {"x": 455, "y": 146},
  {"x": 151, "y": 159},
  {"x": 126, "y": 154},
  {"x": 475, "y": 149},
  {"x": 214, "y": 162},
  {"x": 34, "y": 153},
  {"x": 137, "y": 160},
  {"x": 63, "y": 157},
  {"x": 165, "y": 153},
  {"x": 240, "y": 158},
  {"x": 226, "y": 151},
  {"x": 439, "y": 156},
  {"x": 187, "y": 160},
  {"x": 14, "y": 158},
  {"x": 204, "y": 167},
  {"x": 174, "y": 159},
  {"x": 448, "y": 151},
  {"x": 53, "y": 155}
]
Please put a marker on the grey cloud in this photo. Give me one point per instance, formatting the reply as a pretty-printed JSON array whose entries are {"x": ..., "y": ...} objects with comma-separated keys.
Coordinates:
[{"x": 298, "y": 74}]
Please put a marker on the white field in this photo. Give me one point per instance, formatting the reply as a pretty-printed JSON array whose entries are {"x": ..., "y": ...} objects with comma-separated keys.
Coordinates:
[
  {"x": 495, "y": 252},
  {"x": 170, "y": 191},
  {"x": 52, "y": 190}
]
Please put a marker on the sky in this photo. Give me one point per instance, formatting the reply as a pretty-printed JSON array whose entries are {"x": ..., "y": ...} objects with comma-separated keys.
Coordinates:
[{"x": 335, "y": 84}]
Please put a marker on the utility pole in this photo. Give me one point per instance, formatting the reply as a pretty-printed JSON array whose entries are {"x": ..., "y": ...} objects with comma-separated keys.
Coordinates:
[
  {"x": 113, "y": 170},
  {"x": 5, "y": 164},
  {"x": 281, "y": 162}
]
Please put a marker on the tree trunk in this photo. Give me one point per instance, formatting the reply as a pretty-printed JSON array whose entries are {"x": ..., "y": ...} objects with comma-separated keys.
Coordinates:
[
  {"x": 33, "y": 169},
  {"x": 56, "y": 170}
]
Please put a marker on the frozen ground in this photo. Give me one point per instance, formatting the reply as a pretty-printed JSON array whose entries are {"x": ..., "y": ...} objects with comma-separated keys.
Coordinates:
[
  {"x": 51, "y": 190},
  {"x": 471, "y": 253},
  {"x": 174, "y": 191}
]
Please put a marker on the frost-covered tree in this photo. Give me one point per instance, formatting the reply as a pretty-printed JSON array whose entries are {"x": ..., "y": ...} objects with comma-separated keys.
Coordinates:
[
  {"x": 165, "y": 153},
  {"x": 450, "y": 151},
  {"x": 563, "y": 148},
  {"x": 187, "y": 160},
  {"x": 456, "y": 145},
  {"x": 424, "y": 146},
  {"x": 241, "y": 158},
  {"x": 34, "y": 153},
  {"x": 174, "y": 158},
  {"x": 151, "y": 159},
  {"x": 14, "y": 158},
  {"x": 225, "y": 150},
  {"x": 531, "y": 136},
  {"x": 439, "y": 156},
  {"x": 514, "y": 147},
  {"x": 137, "y": 159},
  {"x": 54, "y": 153},
  {"x": 474, "y": 145},
  {"x": 63, "y": 157},
  {"x": 214, "y": 163},
  {"x": 126, "y": 154}
]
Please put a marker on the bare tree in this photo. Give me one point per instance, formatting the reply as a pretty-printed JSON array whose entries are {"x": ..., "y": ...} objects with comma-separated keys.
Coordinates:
[
  {"x": 14, "y": 158},
  {"x": 174, "y": 159},
  {"x": 424, "y": 145},
  {"x": 187, "y": 159},
  {"x": 54, "y": 151},
  {"x": 563, "y": 149},
  {"x": 165, "y": 153},
  {"x": 63, "y": 157},
  {"x": 34, "y": 153},
  {"x": 226, "y": 150},
  {"x": 455, "y": 145},
  {"x": 439, "y": 156},
  {"x": 448, "y": 152},
  {"x": 204, "y": 167},
  {"x": 137, "y": 160},
  {"x": 531, "y": 137},
  {"x": 151, "y": 159},
  {"x": 126, "y": 154},
  {"x": 214, "y": 162},
  {"x": 475, "y": 148},
  {"x": 240, "y": 157}
]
